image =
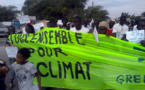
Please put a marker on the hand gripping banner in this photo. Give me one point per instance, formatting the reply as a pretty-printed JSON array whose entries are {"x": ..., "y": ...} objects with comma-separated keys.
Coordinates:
[{"x": 72, "y": 60}]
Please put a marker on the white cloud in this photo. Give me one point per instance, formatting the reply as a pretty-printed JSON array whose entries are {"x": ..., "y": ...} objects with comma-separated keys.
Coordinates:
[{"x": 17, "y": 3}]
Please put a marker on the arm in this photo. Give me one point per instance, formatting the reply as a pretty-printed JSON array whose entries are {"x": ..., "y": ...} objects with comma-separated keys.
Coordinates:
[
  {"x": 3, "y": 60},
  {"x": 4, "y": 70},
  {"x": 108, "y": 34},
  {"x": 124, "y": 37},
  {"x": 38, "y": 79},
  {"x": 91, "y": 31},
  {"x": 5, "y": 63},
  {"x": 114, "y": 34},
  {"x": 12, "y": 73},
  {"x": 114, "y": 31},
  {"x": 11, "y": 83}
]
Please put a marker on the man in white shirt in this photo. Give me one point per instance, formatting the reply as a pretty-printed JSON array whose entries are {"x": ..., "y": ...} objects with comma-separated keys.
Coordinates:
[
  {"x": 132, "y": 24},
  {"x": 120, "y": 29},
  {"x": 141, "y": 26},
  {"x": 78, "y": 26},
  {"x": 85, "y": 24}
]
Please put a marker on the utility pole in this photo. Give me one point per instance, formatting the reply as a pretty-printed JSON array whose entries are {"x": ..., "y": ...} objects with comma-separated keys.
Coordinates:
[{"x": 92, "y": 4}]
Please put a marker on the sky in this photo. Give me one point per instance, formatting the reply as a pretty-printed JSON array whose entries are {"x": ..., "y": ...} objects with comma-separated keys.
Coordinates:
[{"x": 114, "y": 7}]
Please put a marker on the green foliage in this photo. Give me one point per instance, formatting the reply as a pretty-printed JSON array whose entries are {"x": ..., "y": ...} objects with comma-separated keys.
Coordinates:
[
  {"x": 97, "y": 13},
  {"x": 137, "y": 18},
  {"x": 57, "y": 9},
  {"x": 53, "y": 9},
  {"x": 7, "y": 13},
  {"x": 125, "y": 14}
]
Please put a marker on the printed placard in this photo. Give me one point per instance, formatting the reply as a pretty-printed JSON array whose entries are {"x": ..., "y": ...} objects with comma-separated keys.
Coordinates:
[
  {"x": 24, "y": 19},
  {"x": 36, "y": 26},
  {"x": 135, "y": 36},
  {"x": 11, "y": 51}
]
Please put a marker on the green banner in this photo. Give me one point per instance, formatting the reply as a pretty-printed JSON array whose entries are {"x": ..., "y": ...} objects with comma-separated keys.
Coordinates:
[{"x": 72, "y": 60}]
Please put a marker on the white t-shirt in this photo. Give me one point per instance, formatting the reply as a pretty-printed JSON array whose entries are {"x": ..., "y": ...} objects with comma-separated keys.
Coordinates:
[
  {"x": 89, "y": 27},
  {"x": 24, "y": 75},
  {"x": 120, "y": 30},
  {"x": 83, "y": 30}
]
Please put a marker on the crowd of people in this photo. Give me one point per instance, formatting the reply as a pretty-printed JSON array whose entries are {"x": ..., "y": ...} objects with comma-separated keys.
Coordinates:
[{"x": 110, "y": 28}]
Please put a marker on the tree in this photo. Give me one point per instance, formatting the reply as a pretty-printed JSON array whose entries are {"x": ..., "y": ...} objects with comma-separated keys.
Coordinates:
[
  {"x": 96, "y": 12},
  {"x": 53, "y": 9},
  {"x": 137, "y": 18},
  {"x": 7, "y": 13},
  {"x": 125, "y": 14},
  {"x": 143, "y": 14},
  {"x": 57, "y": 9},
  {"x": 75, "y": 8}
]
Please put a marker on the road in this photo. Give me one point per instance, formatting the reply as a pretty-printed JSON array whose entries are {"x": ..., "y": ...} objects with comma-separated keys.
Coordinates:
[
  {"x": 3, "y": 55},
  {"x": 2, "y": 49}
]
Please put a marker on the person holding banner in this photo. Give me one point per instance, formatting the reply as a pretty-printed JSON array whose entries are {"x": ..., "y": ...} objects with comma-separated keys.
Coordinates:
[
  {"x": 120, "y": 29},
  {"x": 29, "y": 28},
  {"x": 132, "y": 24},
  {"x": 85, "y": 24},
  {"x": 95, "y": 24},
  {"x": 141, "y": 26},
  {"x": 25, "y": 71},
  {"x": 65, "y": 25},
  {"x": 11, "y": 30},
  {"x": 103, "y": 26},
  {"x": 51, "y": 23},
  {"x": 110, "y": 29},
  {"x": 78, "y": 26}
]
